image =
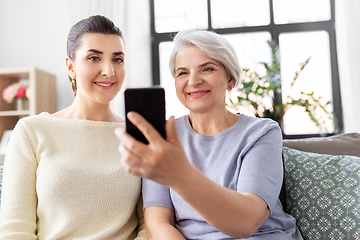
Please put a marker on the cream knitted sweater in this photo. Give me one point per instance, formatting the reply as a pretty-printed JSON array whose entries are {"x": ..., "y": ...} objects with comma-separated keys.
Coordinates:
[{"x": 63, "y": 180}]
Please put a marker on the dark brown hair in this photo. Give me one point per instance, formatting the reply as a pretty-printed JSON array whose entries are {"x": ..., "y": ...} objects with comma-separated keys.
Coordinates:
[{"x": 93, "y": 24}]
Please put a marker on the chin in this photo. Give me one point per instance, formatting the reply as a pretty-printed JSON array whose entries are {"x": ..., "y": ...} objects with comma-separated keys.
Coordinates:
[
  {"x": 106, "y": 100},
  {"x": 198, "y": 110}
]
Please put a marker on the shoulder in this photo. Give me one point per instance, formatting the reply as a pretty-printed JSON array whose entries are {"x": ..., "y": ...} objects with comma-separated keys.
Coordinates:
[
  {"x": 258, "y": 123},
  {"x": 34, "y": 120},
  {"x": 46, "y": 119},
  {"x": 28, "y": 127},
  {"x": 181, "y": 119},
  {"x": 184, "y": 128},
  {"x": 182, "y": 122},
  {"x": 259, "y": 128}
]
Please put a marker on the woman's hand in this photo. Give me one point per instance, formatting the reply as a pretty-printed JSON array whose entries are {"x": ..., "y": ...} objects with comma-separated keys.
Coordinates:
[
  {"x": 163, "y": 161},
  {"x": 235, "y": 214}
]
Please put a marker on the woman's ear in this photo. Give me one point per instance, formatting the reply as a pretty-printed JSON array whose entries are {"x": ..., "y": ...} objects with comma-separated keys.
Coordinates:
[
  {"x": 231, "y": 83},
  {"x": 70, "y": 68}
]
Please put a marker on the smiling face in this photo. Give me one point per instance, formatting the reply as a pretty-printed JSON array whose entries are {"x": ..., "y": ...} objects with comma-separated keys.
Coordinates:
[
  {"x": 200, "y": 81},
  {"x": 98, "y": 67}
]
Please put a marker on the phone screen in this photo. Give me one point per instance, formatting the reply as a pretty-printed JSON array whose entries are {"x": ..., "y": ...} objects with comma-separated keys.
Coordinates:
[{"x": 150, "y": 103}]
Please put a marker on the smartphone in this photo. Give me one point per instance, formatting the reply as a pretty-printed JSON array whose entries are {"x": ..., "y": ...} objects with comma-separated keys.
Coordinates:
[{"x": 150, "y": 103}]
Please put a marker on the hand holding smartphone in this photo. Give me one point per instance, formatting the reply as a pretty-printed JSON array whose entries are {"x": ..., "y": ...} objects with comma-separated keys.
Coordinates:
[{"x": 150, "y": 103}]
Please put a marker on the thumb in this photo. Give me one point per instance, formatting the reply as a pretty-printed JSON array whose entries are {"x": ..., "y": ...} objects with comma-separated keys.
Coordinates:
[{"x": 171, "y": 133}]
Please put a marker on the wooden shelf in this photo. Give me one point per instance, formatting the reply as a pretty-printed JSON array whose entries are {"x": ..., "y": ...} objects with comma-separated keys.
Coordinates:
[
  {"x": 42, "y": 91},
  {"x": 15, "y": 113}
]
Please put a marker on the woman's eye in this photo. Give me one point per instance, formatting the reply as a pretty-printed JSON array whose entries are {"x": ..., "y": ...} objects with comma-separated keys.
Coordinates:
[
  {"x": 118, "y": 60},
  {"x": 181, "y": 73},
  {"x": 94, "y": 58},
  {"x": 208, "y": 69}
]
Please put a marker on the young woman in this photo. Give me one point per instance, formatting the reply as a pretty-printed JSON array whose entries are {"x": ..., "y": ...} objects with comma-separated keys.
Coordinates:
[
  {"x": 62, "y": 175},
  {"x": 218, "y": 175}
]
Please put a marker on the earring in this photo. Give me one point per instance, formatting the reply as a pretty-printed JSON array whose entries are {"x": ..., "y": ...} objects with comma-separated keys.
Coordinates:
[{"x": 73, "y": 83}]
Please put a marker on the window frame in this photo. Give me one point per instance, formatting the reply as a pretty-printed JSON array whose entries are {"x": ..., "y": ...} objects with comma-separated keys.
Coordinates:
[{"x": 275, "y": 30}]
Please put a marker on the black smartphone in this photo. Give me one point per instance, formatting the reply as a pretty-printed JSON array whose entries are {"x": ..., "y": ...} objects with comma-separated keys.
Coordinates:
[{"x": 150, "y": 103}]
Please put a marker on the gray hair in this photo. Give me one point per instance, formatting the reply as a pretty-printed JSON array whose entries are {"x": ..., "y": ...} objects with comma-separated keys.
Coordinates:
[{"x": 213, "y": 45}]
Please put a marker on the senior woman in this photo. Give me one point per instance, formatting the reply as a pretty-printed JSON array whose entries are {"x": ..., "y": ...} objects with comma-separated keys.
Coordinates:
[{"x": 217, "y": 175}]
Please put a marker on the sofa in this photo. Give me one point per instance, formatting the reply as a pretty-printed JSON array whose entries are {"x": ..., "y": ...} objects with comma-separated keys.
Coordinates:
[{"x": 321, "y": 186}]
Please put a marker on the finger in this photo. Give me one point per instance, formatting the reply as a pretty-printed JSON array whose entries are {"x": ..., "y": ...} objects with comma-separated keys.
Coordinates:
[
  {"x": 130, "y": 162},
  {"x": 128, "y": 167},
  {"x": 122, "y": 135},
  {"x": 130, "y": 142},
  {"x": 171, "y": 132},
  {"x": 147, "y": 129},
  {"x": 132, "y": 151},
  {"x": 123, "y": 151},
  {"x": 132, "y": 168},
  {"x": 119, "y": 132}
]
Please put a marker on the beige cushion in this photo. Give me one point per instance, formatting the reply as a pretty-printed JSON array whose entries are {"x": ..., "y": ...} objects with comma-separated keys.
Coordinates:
[{"x": 341, "y": 144}]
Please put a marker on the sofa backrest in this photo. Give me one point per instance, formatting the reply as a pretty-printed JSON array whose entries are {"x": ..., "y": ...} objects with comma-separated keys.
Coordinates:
[
  {"x": 341, "y": 144},
  {"x": 322, "y": 185}
]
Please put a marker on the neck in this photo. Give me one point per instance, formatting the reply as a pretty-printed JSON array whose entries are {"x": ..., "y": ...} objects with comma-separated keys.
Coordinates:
[
  {"x": 89, "y": 111},
  {"x": 211, "y": 124}
]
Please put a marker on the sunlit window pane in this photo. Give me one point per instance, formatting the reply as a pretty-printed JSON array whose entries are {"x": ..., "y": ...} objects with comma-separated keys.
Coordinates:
[
  {"x": 174, "y": 15},
  {"x": 173, "y": 105},
  {"x": 251, "y": 49},
  {"x": 295, "y": 48},
  {"x": 239, "y": 13},
  {"x": 295, "y": 11}
]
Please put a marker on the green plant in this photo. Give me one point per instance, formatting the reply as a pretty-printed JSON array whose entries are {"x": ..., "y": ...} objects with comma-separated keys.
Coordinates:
[{"x": 263, "y": 95}]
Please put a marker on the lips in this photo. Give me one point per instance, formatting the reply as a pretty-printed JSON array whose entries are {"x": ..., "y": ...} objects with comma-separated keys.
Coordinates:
[
  {"x": 198, "y": 94},
  {"x": 104, "y": 84}
]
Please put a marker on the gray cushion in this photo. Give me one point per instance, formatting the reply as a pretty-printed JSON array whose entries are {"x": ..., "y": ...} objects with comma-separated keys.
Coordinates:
[
  {"x": 341, "y": 144},
  {"x": 323, "y": 194}
]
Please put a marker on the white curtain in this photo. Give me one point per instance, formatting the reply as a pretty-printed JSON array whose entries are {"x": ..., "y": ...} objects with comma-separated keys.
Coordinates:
[{"x": 348, "y": 48}]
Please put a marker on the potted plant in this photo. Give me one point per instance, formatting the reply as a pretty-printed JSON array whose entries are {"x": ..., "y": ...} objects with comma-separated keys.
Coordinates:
[{"x": 263, "y": 95}]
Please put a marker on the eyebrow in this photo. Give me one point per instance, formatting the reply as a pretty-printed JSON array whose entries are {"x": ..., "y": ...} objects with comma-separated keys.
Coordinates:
[
  {"x": 201, "y": 65},
  {"x": 100, "y": 52},
  {"x": 206, "y": 63}
]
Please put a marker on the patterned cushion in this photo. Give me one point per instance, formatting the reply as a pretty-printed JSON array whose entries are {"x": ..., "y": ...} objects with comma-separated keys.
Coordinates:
[{"x": 323, "y": 194}]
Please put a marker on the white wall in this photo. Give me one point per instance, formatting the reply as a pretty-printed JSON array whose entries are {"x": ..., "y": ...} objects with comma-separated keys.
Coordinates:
[
  {"x": 348, "y": 46},
  {"x": 34, "y": 33}
]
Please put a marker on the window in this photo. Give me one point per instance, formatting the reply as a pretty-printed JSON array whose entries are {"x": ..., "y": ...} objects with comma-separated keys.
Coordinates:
[{"x": 302, "y": 29}]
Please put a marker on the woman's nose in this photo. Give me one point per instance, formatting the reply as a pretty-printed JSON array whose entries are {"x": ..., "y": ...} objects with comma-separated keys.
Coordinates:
[
  {"x": 107, "y": 70},
  {"x": 194, "y": 79}
]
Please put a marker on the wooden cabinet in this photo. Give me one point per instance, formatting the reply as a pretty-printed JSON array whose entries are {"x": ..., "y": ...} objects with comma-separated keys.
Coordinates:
[{"x": 42, "y": 95}]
